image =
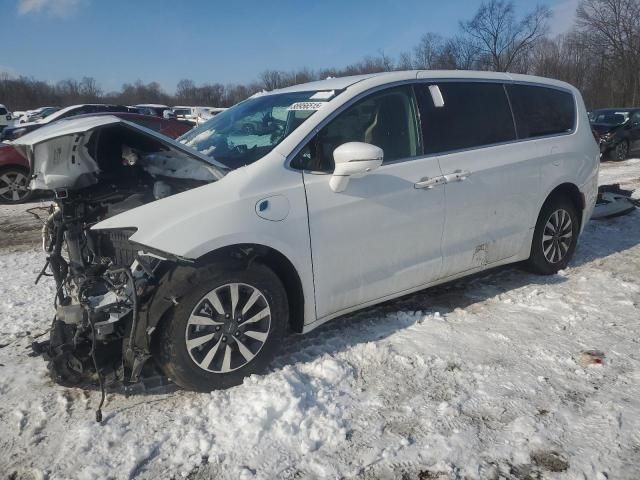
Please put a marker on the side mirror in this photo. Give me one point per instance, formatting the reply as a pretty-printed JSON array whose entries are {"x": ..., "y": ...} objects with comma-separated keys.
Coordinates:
[{"x": 353, "y": 159}]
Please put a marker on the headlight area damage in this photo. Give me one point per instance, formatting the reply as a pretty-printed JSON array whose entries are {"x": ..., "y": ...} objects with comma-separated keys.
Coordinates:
[{"x": 97, "y": 168}]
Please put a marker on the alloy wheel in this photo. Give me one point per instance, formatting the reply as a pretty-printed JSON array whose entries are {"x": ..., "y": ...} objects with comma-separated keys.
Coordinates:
[
  {"x": 622, "y": 149},
  {"x": 228, "y": 327},
  {"x": 14, "y": 186},
  {"x": 557, "y": 236}
]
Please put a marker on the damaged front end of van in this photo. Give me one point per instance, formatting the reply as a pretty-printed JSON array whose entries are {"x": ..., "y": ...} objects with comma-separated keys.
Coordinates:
[{"x": 97, "y": 168}]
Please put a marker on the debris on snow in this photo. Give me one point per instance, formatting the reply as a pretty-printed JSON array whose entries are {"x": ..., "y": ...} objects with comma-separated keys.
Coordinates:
[
  {"x": 550, "y": 460},
  {"x": 591, "y": 358}
]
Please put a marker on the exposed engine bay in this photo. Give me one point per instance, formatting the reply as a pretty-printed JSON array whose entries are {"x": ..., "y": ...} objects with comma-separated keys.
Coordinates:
[{"x": 104, "y": 283}]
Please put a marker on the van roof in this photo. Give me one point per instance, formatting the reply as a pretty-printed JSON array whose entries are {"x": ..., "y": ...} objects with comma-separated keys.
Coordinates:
[
  {"x": 331, "y": 83},
  {"x": 340, "y": 83}
]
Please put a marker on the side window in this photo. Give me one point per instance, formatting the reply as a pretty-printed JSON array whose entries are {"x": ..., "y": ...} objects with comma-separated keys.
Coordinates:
[
  {"x": 387, "y": 119},
  {"x": 3, "y": 111},
  {"x": 635, "y": 119},
  {"x": 474, "y": 114},
  {"x": 541, "y": 111}
]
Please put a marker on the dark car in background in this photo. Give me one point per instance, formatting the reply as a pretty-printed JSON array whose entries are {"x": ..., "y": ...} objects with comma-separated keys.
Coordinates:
[
  {"x": 11, "y": 133},
  {"x": 14, "y": 168},
  {"x": 618, "y": 130}
]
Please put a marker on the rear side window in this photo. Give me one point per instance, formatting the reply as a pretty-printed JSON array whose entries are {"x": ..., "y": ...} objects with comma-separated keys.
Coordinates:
[
  {"x": 541, "y": 111},
  {"x": 474, "y": 114},
  {"x": 3, "y": 111}
]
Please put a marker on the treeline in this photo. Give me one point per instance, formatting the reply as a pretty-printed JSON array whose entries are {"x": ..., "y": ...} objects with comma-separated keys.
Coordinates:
[{"x": 600, "y": 55}]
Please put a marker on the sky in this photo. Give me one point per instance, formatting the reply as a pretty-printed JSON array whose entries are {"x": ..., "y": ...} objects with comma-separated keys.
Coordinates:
[{"x": 118, "y": 41}]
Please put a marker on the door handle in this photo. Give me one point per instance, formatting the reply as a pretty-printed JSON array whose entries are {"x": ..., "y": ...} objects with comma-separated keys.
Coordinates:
[
  {"x": 457, "y": 176},
  {"x": 428, "y": 183}
]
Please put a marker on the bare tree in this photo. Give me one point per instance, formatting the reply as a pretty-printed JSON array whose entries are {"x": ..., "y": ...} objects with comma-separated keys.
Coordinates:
[
  {"x": 185, "y": 91},
  {"x": 405, "y": 62},
  {"x": 89, "y": 90},
  {"x": 272, "y": 79},
  {"x": 499, "y": 38},
  {"x": 600, "y": 56},
  {"x": 459, "y": 53},
  {"x": 610, "y": 31},
  {"x": 385, "y": 61},
  {"x": 428, "y": 52}
]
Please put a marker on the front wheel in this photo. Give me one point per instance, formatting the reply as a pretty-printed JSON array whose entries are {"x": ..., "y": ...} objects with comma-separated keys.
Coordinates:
[
  {"x": 555, "y": 236},
  {"x": 226, "y": 328}
]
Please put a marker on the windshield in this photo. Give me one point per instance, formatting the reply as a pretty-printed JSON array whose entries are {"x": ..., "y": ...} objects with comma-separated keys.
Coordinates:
[
  {"x": 251, "y": 129},
  {"x": 609, "y": 117}
]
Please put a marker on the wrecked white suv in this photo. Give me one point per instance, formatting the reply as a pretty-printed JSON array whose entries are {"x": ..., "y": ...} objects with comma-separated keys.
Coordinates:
[{"x": 295, "y": 207}]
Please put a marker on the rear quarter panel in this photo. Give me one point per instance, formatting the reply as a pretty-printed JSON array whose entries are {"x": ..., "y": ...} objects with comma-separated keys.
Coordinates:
[{"x": 573, "y": 159}]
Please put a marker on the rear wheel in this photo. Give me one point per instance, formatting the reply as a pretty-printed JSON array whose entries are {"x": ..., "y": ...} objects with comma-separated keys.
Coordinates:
[
  {"x": 621, "y": 151},
  {"x": 226, "y": 328},
  {"x": 555, "y": 236},
  {"x": 14, "y": 185}
]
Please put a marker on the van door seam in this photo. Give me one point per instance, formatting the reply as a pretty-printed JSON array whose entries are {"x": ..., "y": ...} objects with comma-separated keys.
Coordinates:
[{"x": 313, "y": 273}]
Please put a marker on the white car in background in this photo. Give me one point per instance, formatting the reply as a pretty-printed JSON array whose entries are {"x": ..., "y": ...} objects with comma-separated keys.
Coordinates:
[
  {"x": 196, "y": 115},
  {"x": 21, "y": 128},
  {"x": 5, "y": 117},
  {"x": 29, "y": 116},
  {"x": 41, "y": 113},
  {"x": 184, "y": 113},
  {"x": 154, "y": 109},
  {"x": 347, "y": 192},
  {"x": 19, "y": 117}
]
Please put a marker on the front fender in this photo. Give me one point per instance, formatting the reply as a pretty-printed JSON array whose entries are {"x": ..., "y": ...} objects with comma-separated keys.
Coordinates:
[{"x": 194, "y": 223}]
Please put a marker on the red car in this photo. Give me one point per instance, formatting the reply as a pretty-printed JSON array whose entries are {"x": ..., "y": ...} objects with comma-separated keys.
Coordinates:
[{"x": 14, "y": 168}]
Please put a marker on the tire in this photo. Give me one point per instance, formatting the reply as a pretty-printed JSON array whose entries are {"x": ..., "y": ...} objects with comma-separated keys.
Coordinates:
[
  {"x": 14, "y": 186},
  {"x": 620, "y": 152},
  {"x": 194, "y": 355},
  {"x": 549, "y": 255}
]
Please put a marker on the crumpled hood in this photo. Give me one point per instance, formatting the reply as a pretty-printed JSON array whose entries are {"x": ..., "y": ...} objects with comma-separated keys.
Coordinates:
[
  {"x": 59, "y": 157},
  {"x": 64, "y": 127},
  {"x": 153, "y": 220}
]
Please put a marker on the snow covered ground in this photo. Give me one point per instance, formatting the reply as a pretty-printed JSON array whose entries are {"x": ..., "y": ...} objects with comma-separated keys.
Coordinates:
[{"x": 479, "y": 379}]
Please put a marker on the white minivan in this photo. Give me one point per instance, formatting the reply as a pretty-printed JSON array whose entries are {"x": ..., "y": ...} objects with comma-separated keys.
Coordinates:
[{"x": 301, "y": 205}]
